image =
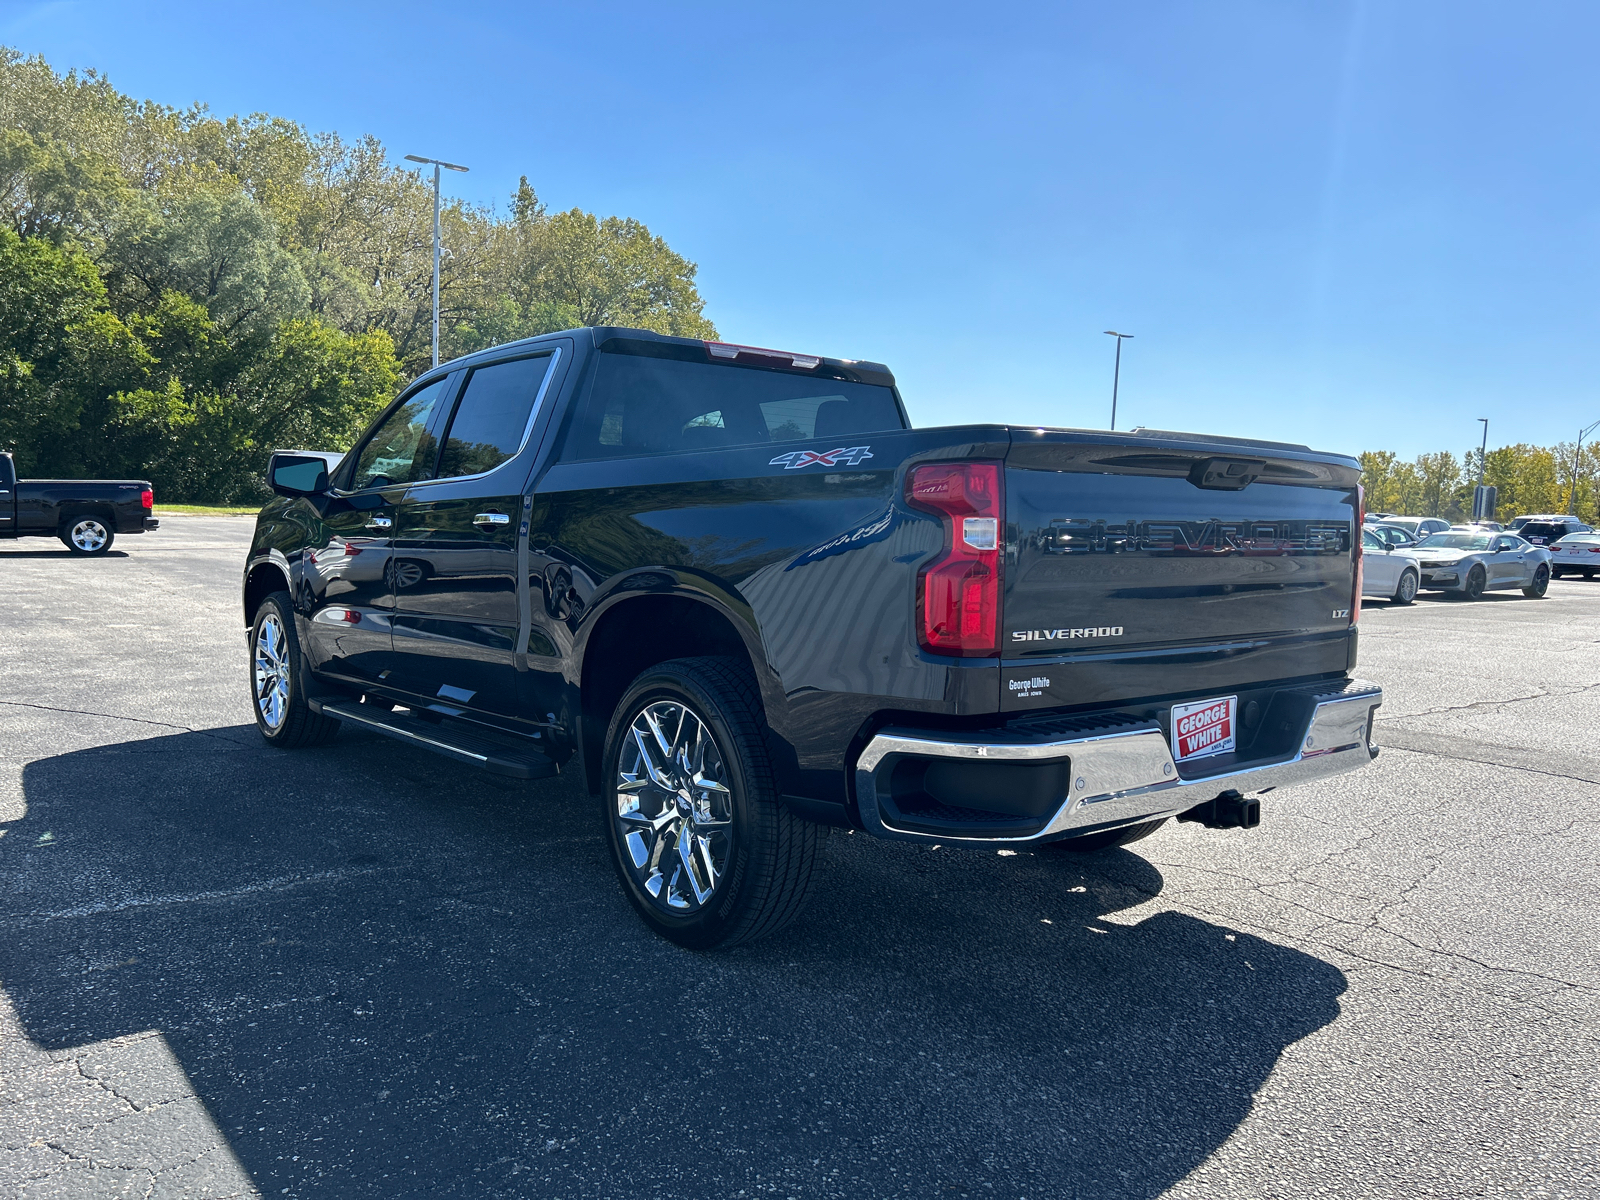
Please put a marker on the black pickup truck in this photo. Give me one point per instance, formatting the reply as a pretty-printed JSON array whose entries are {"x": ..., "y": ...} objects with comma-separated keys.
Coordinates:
[
  {"x": 750, "y": 602},
  {"x": 86, "y": 514}
]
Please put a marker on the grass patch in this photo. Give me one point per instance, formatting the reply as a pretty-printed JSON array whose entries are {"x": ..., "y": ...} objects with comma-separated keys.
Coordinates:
[{"x": 209, "y": 510}]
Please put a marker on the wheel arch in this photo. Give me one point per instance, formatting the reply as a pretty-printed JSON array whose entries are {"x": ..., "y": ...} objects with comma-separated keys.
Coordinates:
[
  {"x": 105, "y": 513},
  {"x": 632, "y": 631},
  {"x": 261, "y": 578}
]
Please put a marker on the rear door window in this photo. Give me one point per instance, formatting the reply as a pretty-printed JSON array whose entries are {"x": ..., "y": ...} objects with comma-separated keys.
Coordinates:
[
  {"x": 642, "y": 403},
  {"x": 493, "y": 416}
]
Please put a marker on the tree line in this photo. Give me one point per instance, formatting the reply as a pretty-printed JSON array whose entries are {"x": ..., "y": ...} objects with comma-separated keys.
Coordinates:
[
  {"x": 1528, "y": 479},
  {"x": 180, "y": 293}
]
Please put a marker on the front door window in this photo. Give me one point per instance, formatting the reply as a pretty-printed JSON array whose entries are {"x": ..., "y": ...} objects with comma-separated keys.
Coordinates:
[{"x": 401, "y": 450}]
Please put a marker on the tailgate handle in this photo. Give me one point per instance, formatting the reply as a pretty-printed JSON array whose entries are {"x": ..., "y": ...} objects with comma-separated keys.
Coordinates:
[{"x": 1226, "y": 474}]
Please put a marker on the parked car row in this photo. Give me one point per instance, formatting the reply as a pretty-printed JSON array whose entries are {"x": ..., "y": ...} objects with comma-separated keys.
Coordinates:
[{"x": 1404, "y": 555}]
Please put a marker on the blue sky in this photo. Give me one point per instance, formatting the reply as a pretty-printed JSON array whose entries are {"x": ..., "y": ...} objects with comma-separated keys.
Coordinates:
[{"x": 1354, "y": 225}]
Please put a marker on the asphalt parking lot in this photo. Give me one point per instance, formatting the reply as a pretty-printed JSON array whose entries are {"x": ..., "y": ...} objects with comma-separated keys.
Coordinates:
[{"x": 364, "y": 971}]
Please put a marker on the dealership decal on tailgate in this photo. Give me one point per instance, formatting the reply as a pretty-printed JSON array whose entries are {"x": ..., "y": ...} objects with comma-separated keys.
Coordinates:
[{"x": 1203, "y": 728}]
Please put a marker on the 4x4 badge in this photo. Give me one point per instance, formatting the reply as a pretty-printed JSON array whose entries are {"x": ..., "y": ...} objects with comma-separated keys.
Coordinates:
[{"x": 808, "y": 458}]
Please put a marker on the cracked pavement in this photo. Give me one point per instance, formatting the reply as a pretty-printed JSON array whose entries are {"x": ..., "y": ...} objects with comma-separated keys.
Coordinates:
[{"x": 364, "y": 971}]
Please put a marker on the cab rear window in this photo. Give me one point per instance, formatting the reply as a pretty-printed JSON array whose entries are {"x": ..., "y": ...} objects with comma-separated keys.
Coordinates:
[{"x": 642, "y": 402}]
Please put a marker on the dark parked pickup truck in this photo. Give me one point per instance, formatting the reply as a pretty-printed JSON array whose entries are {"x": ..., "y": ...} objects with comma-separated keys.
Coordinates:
[
  {"x": 86, "y": 514},
  {"x": 749, "y": 602}
]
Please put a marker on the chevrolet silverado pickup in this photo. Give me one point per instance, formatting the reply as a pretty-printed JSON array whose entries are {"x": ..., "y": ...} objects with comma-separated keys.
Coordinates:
[
  {"x": 86, "y": 514},
  {"x": 737, "y": 591}
]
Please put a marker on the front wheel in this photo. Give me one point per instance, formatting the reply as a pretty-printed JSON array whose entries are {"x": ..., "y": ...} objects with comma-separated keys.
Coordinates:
[
  {"x": 1540, "y": 583},
  {"x": 1406, "y": 591},
  {"x": 705, "y": 851},
  {"x": 278, "y": 683},
  {"x": 85, "y": 534},
  {"x": 1477, "y": 580}
]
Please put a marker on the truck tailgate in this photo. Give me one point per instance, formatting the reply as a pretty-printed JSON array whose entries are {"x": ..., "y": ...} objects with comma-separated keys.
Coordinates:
[{"x": 1142, "y": 566}]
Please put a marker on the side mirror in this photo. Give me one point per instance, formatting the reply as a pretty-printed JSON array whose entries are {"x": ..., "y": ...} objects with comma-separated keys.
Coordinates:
[{"x": 297, "y": 474}]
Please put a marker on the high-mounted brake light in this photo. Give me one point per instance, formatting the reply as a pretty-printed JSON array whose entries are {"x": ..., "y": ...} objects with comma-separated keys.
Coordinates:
[
  {"x": 958, "y": 594},
  {"x": 806, "y": 362},
  {"x": 147, "y": 498},
  {"x": 1361, "y": 521}
]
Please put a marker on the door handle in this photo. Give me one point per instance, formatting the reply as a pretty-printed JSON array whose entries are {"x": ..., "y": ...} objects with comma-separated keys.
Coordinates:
[
  {"x": 379, "y": 523},
  {"x": 491, "y": 519}
]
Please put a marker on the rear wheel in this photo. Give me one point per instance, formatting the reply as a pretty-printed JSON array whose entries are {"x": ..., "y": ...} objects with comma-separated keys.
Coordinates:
[
  {"x": 1088, "y": 843},
  {"x": 1406, "y": 590},
  {"x": 278, "y": 682},
  {"x": 86, "y": 534},
  {"x": 1540, "y": 583},
  {"x": 1477, "y": 580},
  {"x": 705, "y": 852}
]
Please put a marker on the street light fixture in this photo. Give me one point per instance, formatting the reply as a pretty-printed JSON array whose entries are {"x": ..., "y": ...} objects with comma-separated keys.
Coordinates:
[
  {"x": 436, "y": 163},
  {"x": 1116, "y": 374},
  {"x": 1572, "y": 501}
]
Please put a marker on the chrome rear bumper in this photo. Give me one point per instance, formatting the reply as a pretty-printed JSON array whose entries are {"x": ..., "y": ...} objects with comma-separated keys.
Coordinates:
[{"x": 1121, "y": 776}]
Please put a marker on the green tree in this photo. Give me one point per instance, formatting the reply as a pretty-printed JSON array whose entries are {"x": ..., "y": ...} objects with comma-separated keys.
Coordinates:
[
  {"x": 56, "y": 342},
  {"x": 183, "y": 292},
  {"x": 219, "y": 248}
]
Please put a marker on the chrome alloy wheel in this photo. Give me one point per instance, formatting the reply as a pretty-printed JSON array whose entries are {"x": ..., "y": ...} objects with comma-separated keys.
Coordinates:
[
  {"x": 272, "y": 672},
  {"x": 88, "y": 535},
  {"x": 674, "y": 808}
]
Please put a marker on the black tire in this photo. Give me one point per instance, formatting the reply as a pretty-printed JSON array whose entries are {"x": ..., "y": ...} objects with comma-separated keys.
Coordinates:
[
  {"x": 1588, "y": 574},
  {"x": 280, "y": 661},
  {"x": 1540, "y": 584},
  {"x": 1557, "y": 573},
  {"x": 770, "y": 857},
  {"x": 1090, "y": 843},
  {"x": 1406, "y": 590},
  {"x": 1477, "y": 580},
  {"x": 87, "y": 534}
]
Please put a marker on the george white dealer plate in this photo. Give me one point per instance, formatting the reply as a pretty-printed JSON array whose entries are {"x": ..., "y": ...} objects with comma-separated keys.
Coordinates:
[{"x": 1204, "y": 727}]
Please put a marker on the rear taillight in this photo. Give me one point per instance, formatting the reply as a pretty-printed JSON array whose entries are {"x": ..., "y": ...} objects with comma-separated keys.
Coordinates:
[
  {"x": 1361, "y": 520},
  {"x": 958, "y": 594},
  {"x": 147, "y": 498}
]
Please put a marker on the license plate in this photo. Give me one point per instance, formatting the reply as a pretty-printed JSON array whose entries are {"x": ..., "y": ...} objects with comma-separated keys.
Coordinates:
[{"x": 1204, "y": 727}]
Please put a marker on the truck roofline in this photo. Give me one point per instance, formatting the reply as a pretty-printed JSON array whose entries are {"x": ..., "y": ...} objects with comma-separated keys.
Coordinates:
[{"x": 859, "y": 369}]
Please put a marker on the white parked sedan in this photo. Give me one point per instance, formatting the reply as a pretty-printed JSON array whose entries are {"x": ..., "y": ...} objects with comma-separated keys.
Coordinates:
[
  {"x": 1472, "y": 561},
  {"x": 1386, "y": 572},
  {"x": 1575, "y": 554}
]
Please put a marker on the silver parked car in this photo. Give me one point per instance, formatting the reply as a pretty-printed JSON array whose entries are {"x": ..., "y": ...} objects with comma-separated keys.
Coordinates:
[
  {"x": 1388, "y": 572},
  {"x": 1470, "y": 562}
]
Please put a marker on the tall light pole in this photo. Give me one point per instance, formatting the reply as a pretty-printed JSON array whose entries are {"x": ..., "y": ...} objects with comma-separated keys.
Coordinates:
[
  {"x": 1572, "y": 502},
  {"x": 1116, "y": 373},
  {"x": 436, "y": 163},
  {"x": 1483, "y": 453}
]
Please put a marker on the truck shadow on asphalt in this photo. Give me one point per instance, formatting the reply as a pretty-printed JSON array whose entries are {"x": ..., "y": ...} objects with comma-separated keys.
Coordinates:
[{"x": 388, "y": 976}]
